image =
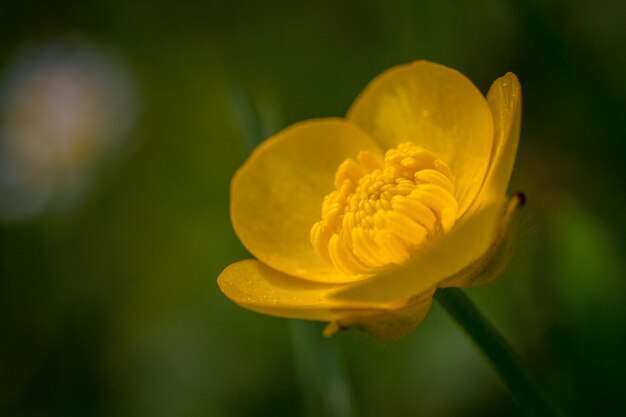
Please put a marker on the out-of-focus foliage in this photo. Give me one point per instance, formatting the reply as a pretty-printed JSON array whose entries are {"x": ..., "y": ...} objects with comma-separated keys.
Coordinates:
[{"x": 110, "y": 306}]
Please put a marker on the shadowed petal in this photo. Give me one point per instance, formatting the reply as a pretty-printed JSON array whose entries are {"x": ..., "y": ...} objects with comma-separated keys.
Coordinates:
[
  {"x": 386, "y": 324},
  {"x": 493, "y": 262}
]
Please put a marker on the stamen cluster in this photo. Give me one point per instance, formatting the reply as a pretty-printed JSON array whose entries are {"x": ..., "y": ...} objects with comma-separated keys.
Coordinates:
[{"x": 382, "y": 212}]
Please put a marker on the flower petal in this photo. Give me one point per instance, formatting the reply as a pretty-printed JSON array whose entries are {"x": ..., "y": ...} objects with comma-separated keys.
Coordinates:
[
  {"x": 276, "y": 196},
  {"x": 257, "y": 287},
  {"x": 489, "y": 266},
  {"x": 386, "y": 324},
  {"x": 505, "y": 100},
  {"x": 260, "y": 288},
  {"x": 437, "y": 108},
  {"x": 470, "y": 239}
]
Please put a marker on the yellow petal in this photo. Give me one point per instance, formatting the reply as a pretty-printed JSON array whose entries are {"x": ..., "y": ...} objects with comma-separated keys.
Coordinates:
[
  {"x": 257, "y": 287},
  {"x": 434, "y": 107},
  {"x": 386, "y": 324},
  {"x": 505, "y": 101},
  {"x": 276, "y": 196},
  {"x": 492, "y": 263},
  {"x": 468, "y": 240},
  {"x": 260, "y": 288}
]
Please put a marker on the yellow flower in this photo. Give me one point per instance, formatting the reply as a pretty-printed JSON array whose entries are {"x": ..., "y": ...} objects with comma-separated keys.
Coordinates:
[{"x": 357, "y": 221}]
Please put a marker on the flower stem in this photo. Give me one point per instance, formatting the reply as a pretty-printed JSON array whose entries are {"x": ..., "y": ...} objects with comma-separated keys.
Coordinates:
[
  {"x": 322, "y": 373},
  {"x": 516, "y": 377}
]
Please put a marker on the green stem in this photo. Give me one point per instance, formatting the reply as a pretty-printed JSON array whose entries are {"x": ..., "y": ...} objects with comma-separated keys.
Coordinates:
[
  {"x": 322, "y": 375},
  {"x": 518, "y": 380}
]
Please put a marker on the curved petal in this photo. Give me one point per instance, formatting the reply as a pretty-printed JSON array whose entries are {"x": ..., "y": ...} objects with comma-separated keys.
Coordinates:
[
  {"x": 437, "y": 108},
  {"x": 257, "y": 287},
  {"x": 470, "y": 239},
  {"x": 489, "y": 266},
  {"x": 505, "y": 100},
  {"x": 276, "y": 196},
  {"x": 386, "y": 324}
]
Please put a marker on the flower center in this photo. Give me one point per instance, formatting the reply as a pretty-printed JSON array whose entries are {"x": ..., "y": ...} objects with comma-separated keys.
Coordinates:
[{"x": 383, "y": 212}]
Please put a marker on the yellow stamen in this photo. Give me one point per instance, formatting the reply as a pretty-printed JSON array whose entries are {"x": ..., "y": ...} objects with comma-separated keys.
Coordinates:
[{"x": 381, "y": 214}]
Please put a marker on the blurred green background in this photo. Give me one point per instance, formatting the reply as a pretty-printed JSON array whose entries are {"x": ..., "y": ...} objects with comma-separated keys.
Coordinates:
[{"x": 109, "y": 305}]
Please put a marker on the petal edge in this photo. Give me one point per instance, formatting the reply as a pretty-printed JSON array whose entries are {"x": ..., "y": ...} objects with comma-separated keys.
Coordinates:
[{"x": 505, "y": 101}]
